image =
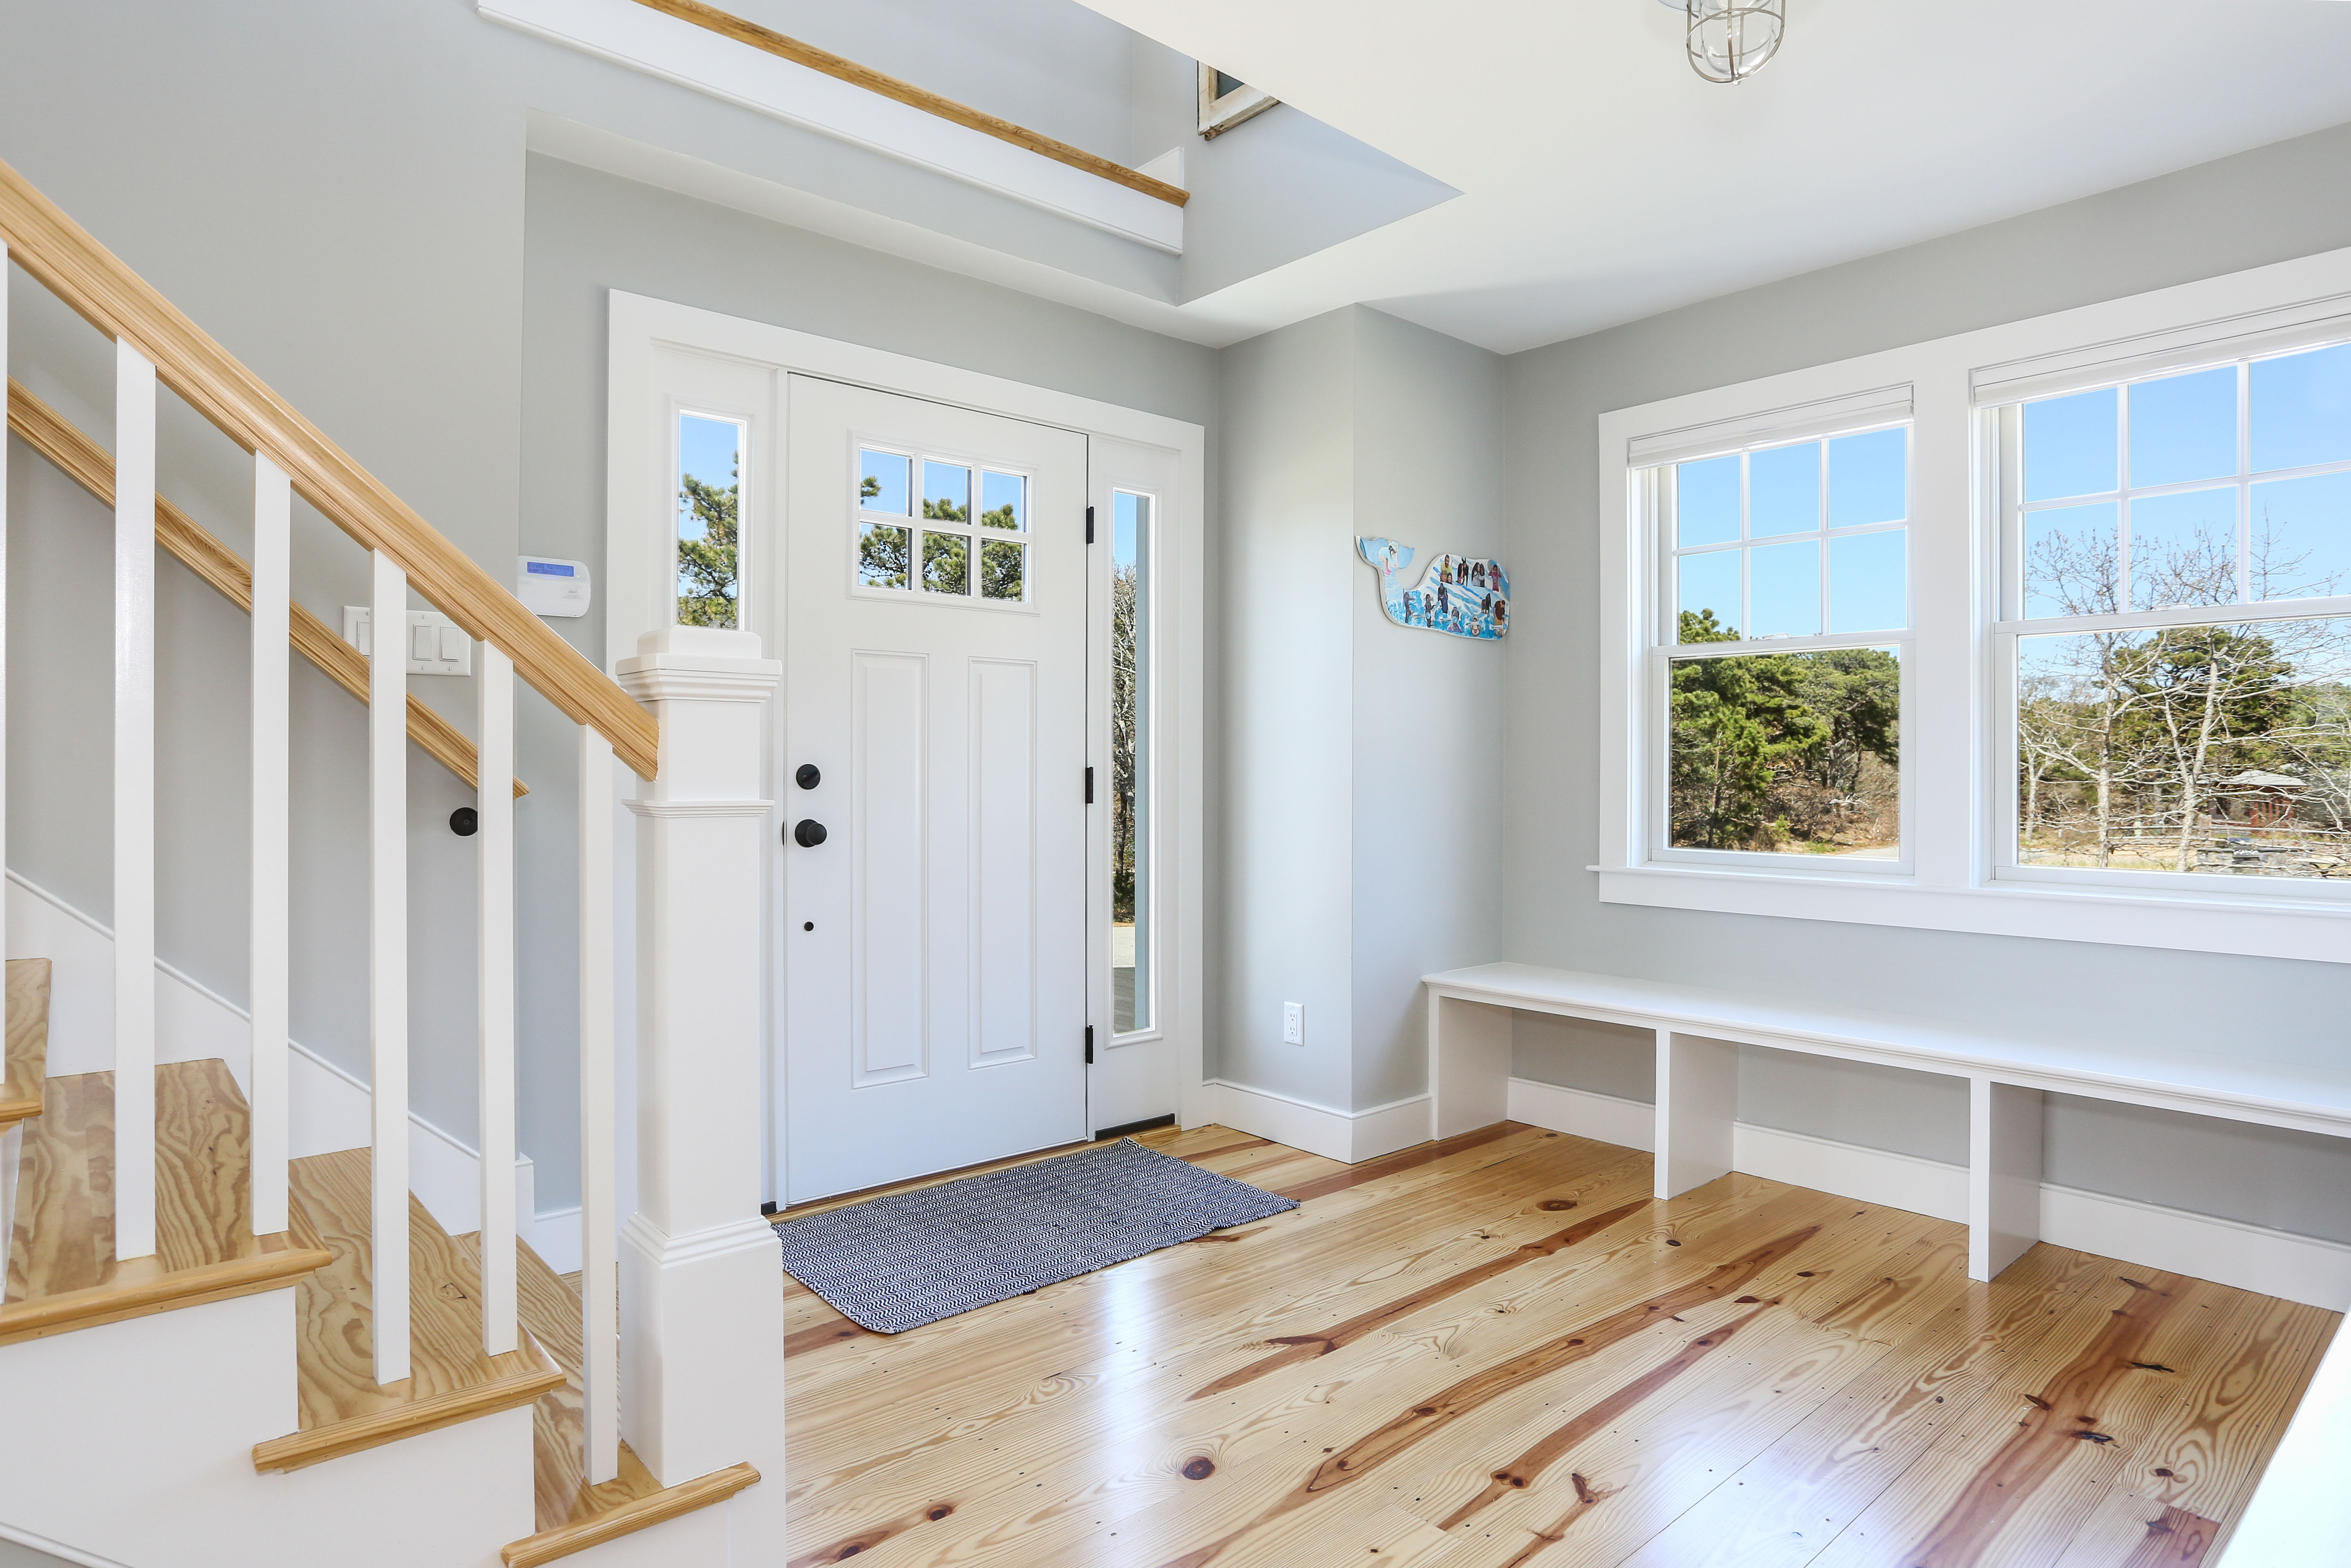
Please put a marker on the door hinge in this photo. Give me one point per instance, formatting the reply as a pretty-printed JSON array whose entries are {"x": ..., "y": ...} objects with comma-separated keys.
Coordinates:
[
  {"x": 1089, "y": 525},
  {"x": 1090, "y": 785},
  {"x": 1089, "y": 1045}
]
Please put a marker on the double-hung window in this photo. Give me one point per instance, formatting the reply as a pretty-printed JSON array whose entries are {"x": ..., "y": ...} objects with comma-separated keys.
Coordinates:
[
  {"x": 2174, "y": 640},
  {"x": 1778, "y": 652}
]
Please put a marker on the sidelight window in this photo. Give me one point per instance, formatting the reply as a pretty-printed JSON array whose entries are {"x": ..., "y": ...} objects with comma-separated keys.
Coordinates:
[
  {"x": 1131, "y": 747},
  {"x": 709, "y": 520}
]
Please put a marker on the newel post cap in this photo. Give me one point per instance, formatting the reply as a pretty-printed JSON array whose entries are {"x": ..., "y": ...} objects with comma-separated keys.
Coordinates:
[{"x": 705, "y": 662}]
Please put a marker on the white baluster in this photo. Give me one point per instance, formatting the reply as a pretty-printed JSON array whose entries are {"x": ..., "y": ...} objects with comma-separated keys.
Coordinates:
[
  {"x": 135, "y": 803},
  {"x": 12, "y": 1141},
  {"x": 388, "y": 957},
  {"x": 266, "y": 965},
  {"x": 599, "y": 1182},
  {"x": 493, "y": 842}
]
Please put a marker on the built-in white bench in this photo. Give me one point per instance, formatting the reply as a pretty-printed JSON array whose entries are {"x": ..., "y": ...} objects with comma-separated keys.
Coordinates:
[
  {"x": 2300, "y": 1511},
  {"x": 1698, "y": 1031}
]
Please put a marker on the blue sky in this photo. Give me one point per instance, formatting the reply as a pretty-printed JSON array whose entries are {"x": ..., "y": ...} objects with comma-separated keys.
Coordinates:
[{"x": 706, "y": 450}]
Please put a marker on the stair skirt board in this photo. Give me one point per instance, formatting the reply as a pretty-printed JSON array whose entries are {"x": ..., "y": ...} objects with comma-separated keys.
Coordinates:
[
  {"x": 329, "y": 1108},
  {"x": 2310, "y": 1270},
  {"x": 187, "y": 1436}
]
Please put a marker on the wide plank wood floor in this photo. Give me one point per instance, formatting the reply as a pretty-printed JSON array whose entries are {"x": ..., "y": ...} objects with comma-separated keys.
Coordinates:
[{"x": 1499, "y": 1351}]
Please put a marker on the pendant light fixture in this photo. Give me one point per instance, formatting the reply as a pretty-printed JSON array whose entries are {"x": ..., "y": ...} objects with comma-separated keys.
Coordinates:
[{"x": 1731, "y": 40}]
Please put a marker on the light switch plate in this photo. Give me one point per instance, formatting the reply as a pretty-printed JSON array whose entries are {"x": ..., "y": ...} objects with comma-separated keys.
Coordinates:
[
  {"x": 436, "y": 644},
  {"x": 1293, "y": 1023}
]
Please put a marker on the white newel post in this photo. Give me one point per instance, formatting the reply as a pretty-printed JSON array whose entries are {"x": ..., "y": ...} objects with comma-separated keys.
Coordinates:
[{"x": 701, "y": 1288}]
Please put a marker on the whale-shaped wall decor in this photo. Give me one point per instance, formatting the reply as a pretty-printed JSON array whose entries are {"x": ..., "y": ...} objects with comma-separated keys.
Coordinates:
[{"x": 1462, "y": 596}]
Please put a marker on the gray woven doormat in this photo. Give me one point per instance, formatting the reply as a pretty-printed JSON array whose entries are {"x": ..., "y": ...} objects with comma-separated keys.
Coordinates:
[{"x": 907, "y": 1259}]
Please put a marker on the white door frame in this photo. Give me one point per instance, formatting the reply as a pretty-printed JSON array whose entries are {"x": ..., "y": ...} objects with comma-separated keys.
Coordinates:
[{"x": 640, "y": 577}]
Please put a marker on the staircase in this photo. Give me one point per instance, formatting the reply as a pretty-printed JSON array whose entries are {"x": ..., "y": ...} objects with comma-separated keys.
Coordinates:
[{"x": 211, "y": 1353}]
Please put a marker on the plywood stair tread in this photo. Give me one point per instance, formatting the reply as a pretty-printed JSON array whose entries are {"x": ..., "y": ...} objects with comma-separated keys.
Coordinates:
[
  {"x": 343, "y": 1409},
  {"x": 62, "y": 1271},
  {"x": 572, "y": 1515},
  {"x": 27, "y": 1050}
]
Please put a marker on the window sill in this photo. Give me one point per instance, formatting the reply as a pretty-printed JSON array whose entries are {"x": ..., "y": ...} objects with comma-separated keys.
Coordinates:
[{"x": 2255, "y": 927}]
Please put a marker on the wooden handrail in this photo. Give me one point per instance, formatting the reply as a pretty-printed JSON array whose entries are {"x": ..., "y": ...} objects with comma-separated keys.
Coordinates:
[
  {"x": 729, "y": 25},
  {"x": 70, "y": 264},
  {"x": 88, "y": 465}
]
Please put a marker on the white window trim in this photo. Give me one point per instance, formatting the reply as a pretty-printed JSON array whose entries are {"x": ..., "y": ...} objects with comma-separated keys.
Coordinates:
[
  {"x": 640, "y": 576},
  {"x": 1953, "y": 805}
]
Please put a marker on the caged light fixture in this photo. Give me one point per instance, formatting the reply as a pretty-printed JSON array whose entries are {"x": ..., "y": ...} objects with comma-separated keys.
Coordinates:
[{"x": 1731, "y": 40}]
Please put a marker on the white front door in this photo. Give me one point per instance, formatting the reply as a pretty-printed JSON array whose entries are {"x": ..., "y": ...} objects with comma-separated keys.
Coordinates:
[{"x": 933, "y": 1009}]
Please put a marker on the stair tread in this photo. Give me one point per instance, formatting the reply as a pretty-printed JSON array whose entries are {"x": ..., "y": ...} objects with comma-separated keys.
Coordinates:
[
  {"x": 342, "y": 1407},
  {"x": 62, "y": 1271},
  {"x": 27, "y": 1050}
]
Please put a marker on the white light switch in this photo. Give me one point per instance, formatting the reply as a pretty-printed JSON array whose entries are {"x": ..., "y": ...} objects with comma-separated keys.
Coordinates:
[
  {"x": 436, "y": 644},
  {"x": 1293, "y": 1023}
]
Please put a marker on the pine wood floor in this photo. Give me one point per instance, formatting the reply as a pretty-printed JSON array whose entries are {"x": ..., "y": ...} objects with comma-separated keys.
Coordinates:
[{"x": 1498, "y": 1351}]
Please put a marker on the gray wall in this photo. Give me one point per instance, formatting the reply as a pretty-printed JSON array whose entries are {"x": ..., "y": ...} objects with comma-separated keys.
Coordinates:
[
  {"x": 1359, "y": 780},
  {"x": 2290, "y": 199}
]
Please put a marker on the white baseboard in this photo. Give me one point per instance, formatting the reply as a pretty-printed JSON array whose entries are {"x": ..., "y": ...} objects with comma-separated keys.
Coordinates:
[
  {"x": 1349, "y": 1136},
  {"x": 2304, "y": 1269},
  {"x": 328, "y": 1108},
  {"x": 554, "y": 1235}
]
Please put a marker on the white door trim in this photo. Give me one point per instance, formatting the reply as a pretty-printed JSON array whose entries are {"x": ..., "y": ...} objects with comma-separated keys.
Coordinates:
[{"x": 638, "y": 582}]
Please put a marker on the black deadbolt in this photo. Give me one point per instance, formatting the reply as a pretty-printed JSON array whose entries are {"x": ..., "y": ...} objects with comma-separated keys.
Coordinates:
[
  {"x": 806, "y": 777},
  {"x": 808, "y": 833},
  {"x": 464, "y": 821}
]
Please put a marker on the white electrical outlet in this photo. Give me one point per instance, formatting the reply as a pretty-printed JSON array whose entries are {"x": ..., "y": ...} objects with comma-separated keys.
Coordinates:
[{"x": 1293, "y": 1023}]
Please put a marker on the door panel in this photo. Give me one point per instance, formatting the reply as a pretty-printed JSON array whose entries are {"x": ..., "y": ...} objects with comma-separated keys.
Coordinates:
[{"x": 934, "y": 1002}]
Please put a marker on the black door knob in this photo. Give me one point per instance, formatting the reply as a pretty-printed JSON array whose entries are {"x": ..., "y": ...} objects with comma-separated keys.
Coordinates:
[
  {"x": 807, "y": 776},
  {"x": 808, "y": 832}
]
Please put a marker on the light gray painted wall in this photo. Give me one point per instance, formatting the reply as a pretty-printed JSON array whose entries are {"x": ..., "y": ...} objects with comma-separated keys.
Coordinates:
[
  {"x": 1428, "y": 463},
  {"x": 1281, "y": 920},
  {"x": 2291, "y": 199},
  {"x": 1359, "y": 783}
]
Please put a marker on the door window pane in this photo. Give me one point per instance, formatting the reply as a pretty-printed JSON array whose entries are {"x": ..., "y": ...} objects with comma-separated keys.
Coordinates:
[
  {"x": 883, "y": 484},
  {"x": 946, "y": 562},
  {"x": 2070, "y": 446},
  {"x": 1784, "y": 491},
  {"x": 709, "y": 520},
  {"x": 1785, "y": 595},
  {"x": 2184, "y": 428},
  {"x": 946, "y": 492},
  {"x": 2301, "y": 413},
  {"x": 883, "y": 555},
  {"x": 1793, "y": 753},
  {"x": 1003, "y": 569},
  {"x": 1706, "y": 510},
  {"x": 1003, "y": 501},
  {"x": 1130, "y": 796}
]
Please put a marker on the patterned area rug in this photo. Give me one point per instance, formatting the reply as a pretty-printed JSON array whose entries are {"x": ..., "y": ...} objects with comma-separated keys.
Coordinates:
[{"x": 907, "y": 1259}]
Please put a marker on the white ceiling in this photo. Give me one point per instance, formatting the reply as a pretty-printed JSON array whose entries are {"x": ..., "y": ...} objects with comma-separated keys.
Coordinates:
[{"x": 1604, "y": 181}]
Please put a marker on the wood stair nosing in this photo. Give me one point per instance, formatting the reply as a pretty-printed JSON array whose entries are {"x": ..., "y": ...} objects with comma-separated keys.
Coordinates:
[
  {"x": 23, "y": 1064},
  {"x": 62, "y": 1271},
  {"x": 572, "y": 1515},
  {"x": 343, "y": 1409}
]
